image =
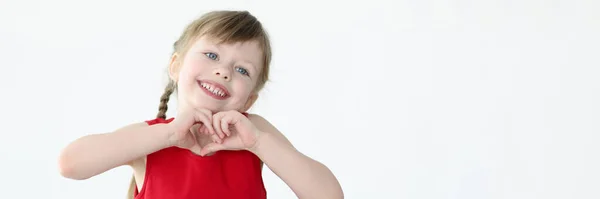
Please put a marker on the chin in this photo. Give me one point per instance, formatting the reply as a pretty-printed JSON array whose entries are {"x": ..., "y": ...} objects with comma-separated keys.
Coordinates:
[
  {"x": 200, "y": 104},
  {"x": 201, "y": 101}
]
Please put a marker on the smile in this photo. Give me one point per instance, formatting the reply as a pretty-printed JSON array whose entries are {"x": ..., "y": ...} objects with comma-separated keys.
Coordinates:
[{"x": 214, "y": 89}]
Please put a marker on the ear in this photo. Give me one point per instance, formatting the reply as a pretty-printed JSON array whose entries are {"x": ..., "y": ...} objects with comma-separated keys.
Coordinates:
[
  {"x": 174, "y": 66},
  {"x": 250, "y": 101}
]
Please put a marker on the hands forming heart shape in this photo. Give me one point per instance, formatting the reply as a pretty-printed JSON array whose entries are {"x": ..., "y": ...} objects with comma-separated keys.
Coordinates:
[{"x": 228, "y": 130}]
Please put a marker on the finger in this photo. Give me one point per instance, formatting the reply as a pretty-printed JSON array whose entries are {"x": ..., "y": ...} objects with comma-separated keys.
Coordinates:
[
  {"x": 216, "y": 138},
  {"x": 200, "y": 127},
  {"x": 197, "y": 139},
  {"x": 206, "y": 120},
  {"x": 188, "y": 140},
  {"x": 210, "y": 148},
  {"x": 194, "y": 135},
  {"x": 217, "y": 124},
  {"x": 196, "y": 149},
  {"x": 204, "y": 130},
  {"x": 225, "y": 122},
  {"x": 208, "y": 123}
]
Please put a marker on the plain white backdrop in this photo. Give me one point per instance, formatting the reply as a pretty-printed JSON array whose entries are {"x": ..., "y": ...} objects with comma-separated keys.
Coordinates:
[{"x": 400, "y": 99}]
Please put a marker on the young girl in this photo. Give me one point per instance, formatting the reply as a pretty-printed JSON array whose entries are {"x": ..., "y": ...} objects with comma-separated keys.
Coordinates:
[{"x": 212, "y": 148}]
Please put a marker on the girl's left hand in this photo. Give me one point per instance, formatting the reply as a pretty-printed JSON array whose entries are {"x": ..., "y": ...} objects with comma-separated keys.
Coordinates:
[{"x": 240, "y": 133}]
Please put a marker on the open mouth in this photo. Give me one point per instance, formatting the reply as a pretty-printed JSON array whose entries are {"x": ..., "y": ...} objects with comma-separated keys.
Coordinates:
[{"x": 214, "y": 89}]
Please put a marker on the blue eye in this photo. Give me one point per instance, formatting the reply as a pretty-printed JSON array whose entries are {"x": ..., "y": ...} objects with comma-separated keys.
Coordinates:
[
  {"x": 242, "y": 70},
  {"x": 212, "y": 56}
]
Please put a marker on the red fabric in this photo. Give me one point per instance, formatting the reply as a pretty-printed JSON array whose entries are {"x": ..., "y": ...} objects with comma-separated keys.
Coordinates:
[{"x": 175, "y": 173}]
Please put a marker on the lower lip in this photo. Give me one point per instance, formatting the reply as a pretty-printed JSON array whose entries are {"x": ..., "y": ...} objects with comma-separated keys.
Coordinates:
[{"x": 210, "y": 93}]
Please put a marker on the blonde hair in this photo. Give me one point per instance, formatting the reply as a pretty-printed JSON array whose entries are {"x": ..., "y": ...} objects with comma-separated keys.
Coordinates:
[{"x": 226, "y": 27}]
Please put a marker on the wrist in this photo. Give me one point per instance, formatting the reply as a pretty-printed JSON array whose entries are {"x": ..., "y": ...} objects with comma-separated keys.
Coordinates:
[
  {"x": 167, "y": 134},
  {"x": 262, "y": 139}
]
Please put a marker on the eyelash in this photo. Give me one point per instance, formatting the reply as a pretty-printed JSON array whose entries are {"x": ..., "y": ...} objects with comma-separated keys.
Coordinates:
[{"x": 241, "y": 70}]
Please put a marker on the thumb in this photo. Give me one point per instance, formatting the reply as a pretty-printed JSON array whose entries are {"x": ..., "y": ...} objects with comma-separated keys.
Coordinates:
[
  {"x": 210, "y": 148},
  {"x": 196, "y": 149}
]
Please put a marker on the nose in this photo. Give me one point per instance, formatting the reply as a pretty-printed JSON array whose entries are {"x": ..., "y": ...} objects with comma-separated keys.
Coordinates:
[{"x": 222, "y": 72}]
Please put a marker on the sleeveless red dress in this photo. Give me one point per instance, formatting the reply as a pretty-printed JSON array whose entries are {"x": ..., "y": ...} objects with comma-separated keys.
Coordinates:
[{"x": 176, "y": 173}]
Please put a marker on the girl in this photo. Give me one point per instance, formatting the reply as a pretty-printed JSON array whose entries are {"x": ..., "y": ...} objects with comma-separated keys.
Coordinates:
[{"x": 212, "y": 148}]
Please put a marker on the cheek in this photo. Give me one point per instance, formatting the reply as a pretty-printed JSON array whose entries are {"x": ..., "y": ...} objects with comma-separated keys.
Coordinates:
[
  {"x": 242, "y": 90},
  {"x": 191, "y": 70}
]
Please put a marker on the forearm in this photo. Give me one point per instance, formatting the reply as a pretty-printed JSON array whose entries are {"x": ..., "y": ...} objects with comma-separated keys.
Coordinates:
[
  {"x": 94, "y": 154},
  {"x": 305, "y": 176}
]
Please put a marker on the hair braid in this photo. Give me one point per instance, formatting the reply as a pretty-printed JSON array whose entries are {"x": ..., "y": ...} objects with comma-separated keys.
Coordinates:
[{"x": 164, "y": 100}]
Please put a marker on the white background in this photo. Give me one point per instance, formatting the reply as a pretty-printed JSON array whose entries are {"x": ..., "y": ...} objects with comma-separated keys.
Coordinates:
[{"x": 401, "y": 99}]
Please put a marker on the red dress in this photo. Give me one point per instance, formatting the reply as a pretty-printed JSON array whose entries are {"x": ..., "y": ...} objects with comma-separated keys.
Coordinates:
[{"x": 176, "y": 173}]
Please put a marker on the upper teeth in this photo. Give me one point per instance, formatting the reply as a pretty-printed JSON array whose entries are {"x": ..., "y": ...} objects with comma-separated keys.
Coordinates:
[{"x": 213, "y": 89}]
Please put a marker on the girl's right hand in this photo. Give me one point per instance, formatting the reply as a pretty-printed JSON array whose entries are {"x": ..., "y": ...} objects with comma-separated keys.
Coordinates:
[{"x": 187, "y": 129}]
